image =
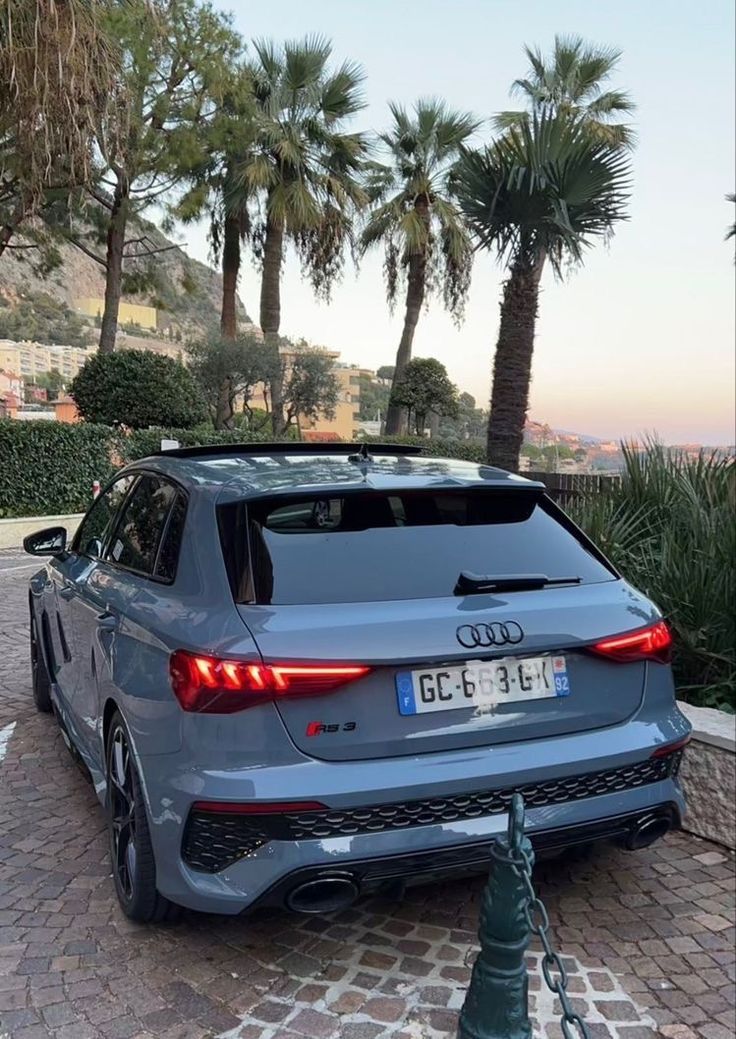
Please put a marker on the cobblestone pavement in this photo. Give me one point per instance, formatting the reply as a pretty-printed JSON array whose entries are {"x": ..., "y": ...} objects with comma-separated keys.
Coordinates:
[{"x": 648, "y": 938}]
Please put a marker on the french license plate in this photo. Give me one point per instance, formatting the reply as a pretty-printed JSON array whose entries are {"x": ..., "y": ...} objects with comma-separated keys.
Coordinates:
[{"x": 482, "y": 684}]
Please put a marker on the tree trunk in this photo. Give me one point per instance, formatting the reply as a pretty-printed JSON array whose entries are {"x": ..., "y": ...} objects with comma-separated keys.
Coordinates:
[
  {"x": 8, "y": 229},
  {"x": 512, "y": 366},
  {"x": 114, "y": 265},
  {"x": 228, "y": 313},
  {"x": 273, "y": 249},
  {"x": 224, "y": 412},
  {"x": 230, "y": 272},
  {"x": 416, "y": 284}
]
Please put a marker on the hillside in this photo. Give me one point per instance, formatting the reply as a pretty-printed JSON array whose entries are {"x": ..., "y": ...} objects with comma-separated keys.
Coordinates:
[{"x": 185, "y": 292}]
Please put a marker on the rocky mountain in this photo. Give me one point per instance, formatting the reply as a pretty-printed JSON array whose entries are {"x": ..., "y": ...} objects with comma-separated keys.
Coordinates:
[{"x": 185, "y": 292}]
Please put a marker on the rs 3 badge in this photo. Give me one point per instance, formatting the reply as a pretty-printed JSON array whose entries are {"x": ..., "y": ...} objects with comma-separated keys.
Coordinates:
[{"x": 322, "y": 728}]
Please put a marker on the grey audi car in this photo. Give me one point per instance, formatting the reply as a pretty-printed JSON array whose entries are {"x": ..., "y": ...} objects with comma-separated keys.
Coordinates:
[{"x": 298, "y": 674}]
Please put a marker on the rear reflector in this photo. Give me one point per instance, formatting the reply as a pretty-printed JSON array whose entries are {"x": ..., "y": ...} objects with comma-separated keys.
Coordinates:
[
  {"x": 652, "y": 643},
  {"x": 214, "y": 686},
  {"x": 670, "y": 748},
  {"x": 257, "y": 807}
]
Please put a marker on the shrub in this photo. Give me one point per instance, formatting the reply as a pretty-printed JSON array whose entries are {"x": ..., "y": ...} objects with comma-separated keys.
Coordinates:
[
  {"x": 669, "y": 528},
  {"x": 137, "y": 388},
  {"x": 49, "y": 467}
]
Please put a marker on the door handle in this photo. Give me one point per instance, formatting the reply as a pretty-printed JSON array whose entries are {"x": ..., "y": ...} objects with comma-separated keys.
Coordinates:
[
  {"x": 107, "y": 622},
  {"x": 67, "y": 592}
]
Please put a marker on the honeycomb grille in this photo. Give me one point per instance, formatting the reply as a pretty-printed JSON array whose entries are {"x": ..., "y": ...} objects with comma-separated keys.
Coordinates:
[
  {"x": 212, "y": 842},
  {"x": 399, "y": 816}
]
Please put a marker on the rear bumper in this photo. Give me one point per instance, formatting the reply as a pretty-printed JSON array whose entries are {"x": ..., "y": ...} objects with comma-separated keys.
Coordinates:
[
  {"x": 172, "y": 784},
  {"x": 371, "y": 875}
]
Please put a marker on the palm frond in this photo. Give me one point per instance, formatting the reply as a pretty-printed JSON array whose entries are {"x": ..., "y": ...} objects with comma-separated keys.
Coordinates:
[
  {"x": 545, "y": 188},
  {"x": 412, "y": 198},
  {"x": 571, "y": 80}
]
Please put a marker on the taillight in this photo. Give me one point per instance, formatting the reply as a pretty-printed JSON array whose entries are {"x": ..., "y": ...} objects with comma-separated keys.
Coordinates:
[
  {"x": 213, "y": 686},
  {"x": 257, "y": 807},
  {"x": 652, "y": 643}
]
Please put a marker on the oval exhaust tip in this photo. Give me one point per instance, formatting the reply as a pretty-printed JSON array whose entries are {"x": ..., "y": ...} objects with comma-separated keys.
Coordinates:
[
  {"x": 648, "y": 830},
  {"x": 323, "y": 895}
]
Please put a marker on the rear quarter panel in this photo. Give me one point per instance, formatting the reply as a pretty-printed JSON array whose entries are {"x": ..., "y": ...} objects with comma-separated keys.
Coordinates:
[{"x": 196, "y": 612}]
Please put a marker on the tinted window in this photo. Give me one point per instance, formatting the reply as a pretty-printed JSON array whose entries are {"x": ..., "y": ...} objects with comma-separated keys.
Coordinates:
[
  {"x": 98, "y": 522},
  {"x": 135, "y": 541},
  {"x": 405, "y": 545},
  {"x": 168, "y": 555}
]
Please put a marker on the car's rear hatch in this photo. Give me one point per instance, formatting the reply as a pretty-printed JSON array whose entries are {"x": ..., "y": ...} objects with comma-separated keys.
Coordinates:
[{"x": 337, "y": 582}]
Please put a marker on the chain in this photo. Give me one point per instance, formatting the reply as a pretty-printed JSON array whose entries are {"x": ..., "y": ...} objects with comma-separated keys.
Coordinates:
[{"x": 553, "y": 969}]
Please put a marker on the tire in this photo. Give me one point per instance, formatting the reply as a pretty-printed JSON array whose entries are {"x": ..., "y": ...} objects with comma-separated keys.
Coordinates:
[
  {"x": 131, "y": 852},
  {"x": 39, "y": 672}
]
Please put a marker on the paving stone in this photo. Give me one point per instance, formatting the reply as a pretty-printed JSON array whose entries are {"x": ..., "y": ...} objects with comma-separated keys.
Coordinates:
[
  {"x": 312, "y": 1023},
  {"x": 384, "y": 1008},
  {"x": 348, "y": 1002},
  {"x": 360, "y": 1030}
]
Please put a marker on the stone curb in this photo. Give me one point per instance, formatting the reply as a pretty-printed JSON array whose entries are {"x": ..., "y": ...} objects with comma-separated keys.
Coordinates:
[{"x": 12, "y": 531}]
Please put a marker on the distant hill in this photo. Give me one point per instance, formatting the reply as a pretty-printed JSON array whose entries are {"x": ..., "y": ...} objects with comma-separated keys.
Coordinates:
[
  {"x": 186, "y": 293},
  {"x": 584, "y": 438}
]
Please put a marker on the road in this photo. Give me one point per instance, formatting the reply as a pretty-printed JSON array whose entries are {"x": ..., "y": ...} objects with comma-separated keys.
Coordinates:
[{"x": 648, "y": 938}]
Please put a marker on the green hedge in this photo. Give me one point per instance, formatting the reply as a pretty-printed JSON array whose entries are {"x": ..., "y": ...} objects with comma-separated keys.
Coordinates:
[{"x": 49, "y": 467}]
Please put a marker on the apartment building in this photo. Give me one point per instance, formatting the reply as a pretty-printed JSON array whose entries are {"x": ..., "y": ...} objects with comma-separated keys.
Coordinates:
[
  {"x": 30, "y": 360},
  {"x": 345, "y": 423}
]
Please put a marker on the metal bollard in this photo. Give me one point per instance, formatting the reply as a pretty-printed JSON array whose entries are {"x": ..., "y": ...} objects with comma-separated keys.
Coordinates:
[{"x": 497, "y": 1002}]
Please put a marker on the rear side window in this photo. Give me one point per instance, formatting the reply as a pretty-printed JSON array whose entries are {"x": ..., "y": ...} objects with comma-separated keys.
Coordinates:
[
  {"x": 368, "y": 547},
  {"x": 136, "y": 539},
  {"x": 168, "y": 555}
]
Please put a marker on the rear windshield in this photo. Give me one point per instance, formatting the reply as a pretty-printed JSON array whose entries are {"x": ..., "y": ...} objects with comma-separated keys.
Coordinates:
[{"x": 367, "y": 547}]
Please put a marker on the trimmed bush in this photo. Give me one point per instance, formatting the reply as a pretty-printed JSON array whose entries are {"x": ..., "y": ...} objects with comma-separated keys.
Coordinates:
[
  {"x": 138, "y": 388},
  {"x": 49, "y": 467}
]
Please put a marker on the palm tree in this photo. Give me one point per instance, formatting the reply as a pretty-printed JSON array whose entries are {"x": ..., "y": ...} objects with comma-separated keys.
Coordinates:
[
  {"x": 416, "y": 220},
  {"x": 573, "y": 81},
  {"x": 216, "y": 192},
  {"x": 304, "y": 167},
  {"x": 546, "y": 190}
]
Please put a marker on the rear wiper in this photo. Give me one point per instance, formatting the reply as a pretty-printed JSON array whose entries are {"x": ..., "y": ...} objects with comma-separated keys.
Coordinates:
[{"x": 476, "y": 584}]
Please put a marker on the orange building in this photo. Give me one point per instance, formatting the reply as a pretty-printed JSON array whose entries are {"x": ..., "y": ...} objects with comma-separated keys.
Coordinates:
[{"x": 66, "y": 410}]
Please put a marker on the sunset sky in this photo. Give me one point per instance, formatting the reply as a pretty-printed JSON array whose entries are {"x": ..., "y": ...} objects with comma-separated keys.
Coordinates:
[{"x": 641, "y": 339}]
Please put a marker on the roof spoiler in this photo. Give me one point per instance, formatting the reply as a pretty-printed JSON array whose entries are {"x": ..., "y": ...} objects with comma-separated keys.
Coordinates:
[{"x": 296, "y": 447}]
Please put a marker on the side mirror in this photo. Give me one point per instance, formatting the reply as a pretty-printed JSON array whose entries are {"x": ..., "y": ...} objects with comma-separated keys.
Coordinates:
[{"x": 48, "y": 542}]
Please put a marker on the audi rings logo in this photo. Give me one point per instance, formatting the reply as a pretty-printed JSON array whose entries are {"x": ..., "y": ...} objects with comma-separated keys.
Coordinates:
[{"x": 495, "y": 634}]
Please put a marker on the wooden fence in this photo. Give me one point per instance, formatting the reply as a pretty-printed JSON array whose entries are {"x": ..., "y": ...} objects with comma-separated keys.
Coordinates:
[{"x": 566, "y": 487}]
